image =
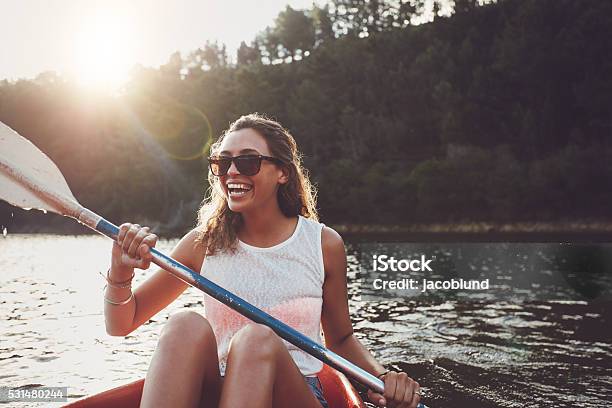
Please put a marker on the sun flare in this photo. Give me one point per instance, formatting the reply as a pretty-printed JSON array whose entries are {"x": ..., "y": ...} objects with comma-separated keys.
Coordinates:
[{"x": 104, "y": 52}]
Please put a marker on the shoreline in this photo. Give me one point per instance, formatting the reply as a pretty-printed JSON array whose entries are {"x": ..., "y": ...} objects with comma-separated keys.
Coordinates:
[{"x": 570, "y": 231}]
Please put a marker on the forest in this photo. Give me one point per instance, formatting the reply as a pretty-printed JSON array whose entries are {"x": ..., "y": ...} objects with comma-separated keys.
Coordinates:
[{"x": 496, "y": 111}]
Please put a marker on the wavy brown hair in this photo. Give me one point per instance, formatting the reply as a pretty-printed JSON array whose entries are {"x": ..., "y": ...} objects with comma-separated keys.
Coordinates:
[{"x": 217, "y": 224}]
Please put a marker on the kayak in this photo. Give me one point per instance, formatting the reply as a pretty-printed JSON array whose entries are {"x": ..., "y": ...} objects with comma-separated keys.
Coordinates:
[{"x": 337, "y": 390}]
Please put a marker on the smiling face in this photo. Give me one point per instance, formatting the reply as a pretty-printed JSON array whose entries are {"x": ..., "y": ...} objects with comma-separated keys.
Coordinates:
[{"x": 245, "y": 193}]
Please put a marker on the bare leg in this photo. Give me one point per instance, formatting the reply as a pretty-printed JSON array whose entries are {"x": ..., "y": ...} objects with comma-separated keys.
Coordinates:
[
  {"x": 184, "y": 370},
  {"x": 261, "y": 373}
]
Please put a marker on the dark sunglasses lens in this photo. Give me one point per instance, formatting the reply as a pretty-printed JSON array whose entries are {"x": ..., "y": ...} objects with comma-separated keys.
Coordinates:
[
  {"x": 248, "y": 165},
  {"x": 219, "y": 167}
]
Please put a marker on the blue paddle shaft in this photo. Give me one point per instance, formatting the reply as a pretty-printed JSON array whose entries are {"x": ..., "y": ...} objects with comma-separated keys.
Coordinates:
[{"x": 257, "y": 315}]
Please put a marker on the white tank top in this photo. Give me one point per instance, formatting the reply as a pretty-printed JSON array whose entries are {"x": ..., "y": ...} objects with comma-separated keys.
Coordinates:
[{"x": 285, "y": 280}]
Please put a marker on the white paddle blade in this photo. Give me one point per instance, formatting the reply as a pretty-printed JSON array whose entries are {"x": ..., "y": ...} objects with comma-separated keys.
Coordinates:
[{"x": 28, "y": 178}]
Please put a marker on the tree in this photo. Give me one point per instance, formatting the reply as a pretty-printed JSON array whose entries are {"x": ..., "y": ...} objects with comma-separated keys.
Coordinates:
[
  {"x": 293, "y": 34},
  {"x": 211, "y": 56},
  {"x": 173, "y": 67},
  {"x": 324, "y": 29},
  {"x": 246, "y": 54}
]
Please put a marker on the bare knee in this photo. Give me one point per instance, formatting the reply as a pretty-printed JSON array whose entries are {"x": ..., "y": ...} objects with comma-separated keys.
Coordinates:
[
  {"x": 187, "y": 327},
  {"x": 255, "y": 341}
]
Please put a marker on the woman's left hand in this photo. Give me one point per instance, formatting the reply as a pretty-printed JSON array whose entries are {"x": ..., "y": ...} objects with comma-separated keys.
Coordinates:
[{"x": 401, "y": 391}]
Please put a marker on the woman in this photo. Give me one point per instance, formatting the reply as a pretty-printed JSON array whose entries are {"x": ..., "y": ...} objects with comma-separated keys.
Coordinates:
[{"x": 257, "y": 236}]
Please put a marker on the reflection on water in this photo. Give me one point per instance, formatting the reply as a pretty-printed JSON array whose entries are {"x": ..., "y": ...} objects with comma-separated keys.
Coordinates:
[{"x": 539, "y": 337}]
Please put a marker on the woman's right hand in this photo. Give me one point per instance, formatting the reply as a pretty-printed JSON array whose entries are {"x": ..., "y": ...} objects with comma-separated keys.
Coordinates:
[{"x": 132, "y": 250}]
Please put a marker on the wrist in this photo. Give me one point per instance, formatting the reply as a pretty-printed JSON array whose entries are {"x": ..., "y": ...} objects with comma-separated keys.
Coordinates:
[
  {"x": 119, "y": 273},
  {"x": 116, "y": 299},
  {"x": 116, "y": 281}
]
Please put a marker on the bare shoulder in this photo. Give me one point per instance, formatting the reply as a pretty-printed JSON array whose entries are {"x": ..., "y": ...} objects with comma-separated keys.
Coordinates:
[
  {"x": 331, "y": 240},
  {"x": 190, "y": 250},
  {"x": 334, "y": 254},
  {"x": 192, "y": 239}
]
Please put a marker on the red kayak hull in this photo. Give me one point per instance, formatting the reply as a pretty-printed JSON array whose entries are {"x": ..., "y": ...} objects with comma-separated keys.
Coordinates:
[{"x": 337, "y": 390}]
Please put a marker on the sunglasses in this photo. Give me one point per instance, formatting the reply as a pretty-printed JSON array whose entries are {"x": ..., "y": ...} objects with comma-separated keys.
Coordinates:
[{"x": 247, "y": 164}]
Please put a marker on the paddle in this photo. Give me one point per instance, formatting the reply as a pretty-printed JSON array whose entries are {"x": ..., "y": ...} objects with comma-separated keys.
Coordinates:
[{"x": 29, "y": 179}]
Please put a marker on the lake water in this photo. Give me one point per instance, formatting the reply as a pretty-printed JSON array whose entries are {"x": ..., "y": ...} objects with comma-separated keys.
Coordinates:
[{"x": 540, "y": 336}]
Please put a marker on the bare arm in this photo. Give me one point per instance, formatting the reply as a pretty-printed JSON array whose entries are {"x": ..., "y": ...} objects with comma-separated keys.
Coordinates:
[
  {"x": 337, "y": 326},
  {"x": 156, "y": 292},
  {"x": 400, "y": 390}
]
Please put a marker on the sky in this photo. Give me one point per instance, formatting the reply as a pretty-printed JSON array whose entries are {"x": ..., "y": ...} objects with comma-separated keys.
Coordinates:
[{"x": 99, "y": 41}]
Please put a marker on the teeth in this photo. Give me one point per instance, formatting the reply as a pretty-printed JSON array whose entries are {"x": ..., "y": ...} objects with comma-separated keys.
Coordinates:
[
  {"x": 238, "y": 189},
  {"x": 239, "y": 185}
]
